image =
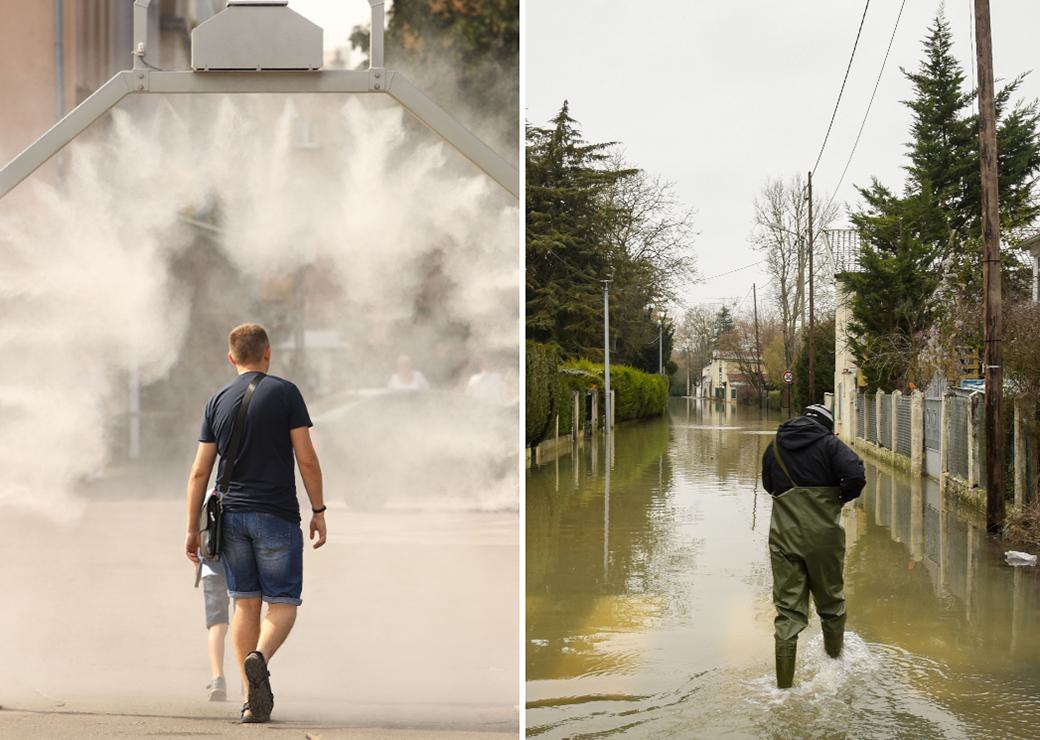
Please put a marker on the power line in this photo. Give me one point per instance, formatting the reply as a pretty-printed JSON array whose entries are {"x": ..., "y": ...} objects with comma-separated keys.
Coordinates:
[
  {"x": 728, "y": 272},
  {"x": 842, "y": 90},
  {"x": 747, "y": 295},
  {"x": 863, "y": 123},
  {"x": 580, "y": 273}
]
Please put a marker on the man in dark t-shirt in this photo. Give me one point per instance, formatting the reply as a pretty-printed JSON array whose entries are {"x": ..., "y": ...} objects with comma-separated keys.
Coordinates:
[{"x": 262, "y": 545}]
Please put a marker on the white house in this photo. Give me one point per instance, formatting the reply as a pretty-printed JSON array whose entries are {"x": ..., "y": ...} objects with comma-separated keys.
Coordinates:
[{"x": 722, "y": 378}]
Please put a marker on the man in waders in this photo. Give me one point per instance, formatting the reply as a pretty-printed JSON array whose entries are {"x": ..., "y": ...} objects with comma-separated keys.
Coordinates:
[{"x": 810, "y": 474}]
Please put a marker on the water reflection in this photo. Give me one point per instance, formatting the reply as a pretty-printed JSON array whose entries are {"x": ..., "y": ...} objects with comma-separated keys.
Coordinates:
[{"x": 648, "y": 607}]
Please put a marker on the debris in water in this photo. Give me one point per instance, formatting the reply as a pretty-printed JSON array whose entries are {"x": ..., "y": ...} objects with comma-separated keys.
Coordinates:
[{"x": 1018, "y": 559}]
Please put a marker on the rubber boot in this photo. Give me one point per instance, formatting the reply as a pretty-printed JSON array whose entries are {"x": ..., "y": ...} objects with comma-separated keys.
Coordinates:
[
  {"x": 833, "y": 641},
  {"x": 785, "y": 655}
]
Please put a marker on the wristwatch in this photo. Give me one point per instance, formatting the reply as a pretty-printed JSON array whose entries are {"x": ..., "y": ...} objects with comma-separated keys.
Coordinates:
[{"x": 319, "y": 511}]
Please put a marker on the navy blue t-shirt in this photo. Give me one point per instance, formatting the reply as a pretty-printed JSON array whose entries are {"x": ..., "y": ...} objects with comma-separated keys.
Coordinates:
[{"x": 264, "y": 479}]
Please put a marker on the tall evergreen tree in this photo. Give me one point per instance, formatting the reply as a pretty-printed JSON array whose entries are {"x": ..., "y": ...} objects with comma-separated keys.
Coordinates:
[
  {"x": 591, "y": 217},
  {"x": 724, "y": 323},
  {"x": 568, "y": 222},
  {"x": 920, "y": 256}
]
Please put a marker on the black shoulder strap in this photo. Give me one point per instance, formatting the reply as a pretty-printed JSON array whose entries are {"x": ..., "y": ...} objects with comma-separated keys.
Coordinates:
[
  {"x": 780, "y": 460},
  {"x": 237, "y": 431}
]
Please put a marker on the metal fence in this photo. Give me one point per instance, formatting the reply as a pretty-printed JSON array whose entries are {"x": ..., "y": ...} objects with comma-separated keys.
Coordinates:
[
  {"x": 933, "y": 423},
  {"x": 870, "y": 401},
  {"x": 957, "y": 455},
  {"x": 1029, "y": 435},
  {"x": 980, "y": 435},
  {"x": 860, "y": 422},
  {"x": 885, "y": 423},
  {"x": 903, "y": 430}
]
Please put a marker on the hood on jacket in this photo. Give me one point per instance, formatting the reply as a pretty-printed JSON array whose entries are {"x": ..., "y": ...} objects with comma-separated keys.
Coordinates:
[{"x": 800, "y": 432}]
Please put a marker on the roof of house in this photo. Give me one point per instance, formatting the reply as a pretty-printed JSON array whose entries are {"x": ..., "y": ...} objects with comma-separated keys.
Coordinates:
[{"x": 1032, "y": 243}]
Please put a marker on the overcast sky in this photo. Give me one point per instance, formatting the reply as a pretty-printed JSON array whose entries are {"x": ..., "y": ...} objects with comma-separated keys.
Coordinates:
[
  {"x": 337, "y": 19},
  {"x": 720, "y": 96}
]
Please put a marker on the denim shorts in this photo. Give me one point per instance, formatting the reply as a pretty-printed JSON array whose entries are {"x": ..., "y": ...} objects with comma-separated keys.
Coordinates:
[{"x": 263, "y": 557}]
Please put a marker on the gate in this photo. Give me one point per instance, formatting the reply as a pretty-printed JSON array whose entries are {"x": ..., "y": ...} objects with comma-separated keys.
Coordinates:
[
  {"x": 870, "y": 400},
  {"x": 957, "y": 456},
  {"x": 903, "y": 431},
  {"x": 860, "y": 422},
  {"x": 885, "y": 423},
  {"x": 932, "y": 435}
]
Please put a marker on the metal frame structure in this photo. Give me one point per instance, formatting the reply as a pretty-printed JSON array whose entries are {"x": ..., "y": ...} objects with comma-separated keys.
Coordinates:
[{"x": 147, "y": 79}]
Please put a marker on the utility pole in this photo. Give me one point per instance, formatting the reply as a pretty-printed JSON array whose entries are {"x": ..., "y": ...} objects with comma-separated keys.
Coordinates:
[
  {"x": 688, "y": 376},
  {"x": 812, "y": 312},
  {"x": 992, "y": 355},
  {"x": 660, "y": 346},
  {"x": 606, "y": 356},
  {"x": 758, "y": 347}
]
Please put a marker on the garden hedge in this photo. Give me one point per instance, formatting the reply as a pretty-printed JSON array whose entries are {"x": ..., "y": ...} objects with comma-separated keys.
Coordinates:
[
  {"x": 550, "y": 388},
  {"x": 543, "y": 361}
]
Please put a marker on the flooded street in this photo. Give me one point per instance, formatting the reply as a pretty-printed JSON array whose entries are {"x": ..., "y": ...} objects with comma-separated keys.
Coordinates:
[{"x": 649, "y": 611}]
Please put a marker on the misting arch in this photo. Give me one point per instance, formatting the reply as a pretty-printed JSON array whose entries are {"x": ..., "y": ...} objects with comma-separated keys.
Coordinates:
[
  {"x": 253, "y": 46},
  {"x": 258, "y": 46}
]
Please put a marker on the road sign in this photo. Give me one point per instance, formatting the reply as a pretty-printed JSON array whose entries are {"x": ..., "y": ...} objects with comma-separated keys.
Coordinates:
[{"x": 788, "y": 377}]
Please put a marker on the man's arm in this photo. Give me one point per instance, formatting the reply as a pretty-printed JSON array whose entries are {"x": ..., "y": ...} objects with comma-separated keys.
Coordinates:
[
  {"x": 767, "y": 474},
  {"x": 201, "y": 469},
  {"x": 852, "y": 476},
  {"x": 310, "y": 471}
]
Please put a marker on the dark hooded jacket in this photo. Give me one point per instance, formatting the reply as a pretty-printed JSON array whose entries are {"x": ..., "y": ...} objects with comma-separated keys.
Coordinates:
[{"x": 815, "y": 457}]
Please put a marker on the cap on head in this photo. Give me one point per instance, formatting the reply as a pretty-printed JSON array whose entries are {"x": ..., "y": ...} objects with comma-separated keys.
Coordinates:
[{"x": 820, "y": 413}]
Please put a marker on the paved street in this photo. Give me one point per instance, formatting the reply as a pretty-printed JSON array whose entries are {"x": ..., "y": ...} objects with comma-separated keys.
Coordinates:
[{"x": 108, "y": 634}]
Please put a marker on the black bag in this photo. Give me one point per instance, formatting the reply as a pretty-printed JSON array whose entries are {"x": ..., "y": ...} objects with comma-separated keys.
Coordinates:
[{"x": 212, "y": 516}]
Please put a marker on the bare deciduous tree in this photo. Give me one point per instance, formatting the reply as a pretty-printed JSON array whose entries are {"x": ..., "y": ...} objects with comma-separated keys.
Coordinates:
[
  {"x": 781, "y": 232},
  {"x": 746, "y": 347},
  {"x": 654, "y": 231},
  {"x": 697, "y": 337}
]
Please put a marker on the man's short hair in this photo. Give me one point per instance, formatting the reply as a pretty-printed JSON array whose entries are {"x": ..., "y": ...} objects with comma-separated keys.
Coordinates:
[{"x": 247, "y": 343}]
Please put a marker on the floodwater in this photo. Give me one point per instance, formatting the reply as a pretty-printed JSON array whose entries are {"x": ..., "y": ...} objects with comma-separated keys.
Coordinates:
[{"x": 649, "y": 610}]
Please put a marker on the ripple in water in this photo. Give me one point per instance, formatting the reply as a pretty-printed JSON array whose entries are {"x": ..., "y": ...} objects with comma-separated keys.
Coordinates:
[{"x": 870, "y": 691}]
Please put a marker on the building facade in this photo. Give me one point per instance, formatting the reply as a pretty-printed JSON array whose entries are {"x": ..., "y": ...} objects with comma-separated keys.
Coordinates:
[
  {"x": 723, "y": 378},
  {"x": 55, "y": 53}
]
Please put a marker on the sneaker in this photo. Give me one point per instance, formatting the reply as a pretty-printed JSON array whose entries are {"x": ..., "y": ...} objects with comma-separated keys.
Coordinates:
[
  {"x": 217, "y": 689},
  {"x": 261, "y": 699}
]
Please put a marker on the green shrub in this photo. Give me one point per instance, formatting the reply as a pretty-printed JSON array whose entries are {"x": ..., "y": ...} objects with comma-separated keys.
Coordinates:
[
  {"x": 542, "y": 390},
  {"x": 569, "y": 381},
  {"x": 638, "y": 394},
  {"x": 551, "y": 387},
  {"x": 775, "y": 400},
  {"x": 823, "y": 366}
]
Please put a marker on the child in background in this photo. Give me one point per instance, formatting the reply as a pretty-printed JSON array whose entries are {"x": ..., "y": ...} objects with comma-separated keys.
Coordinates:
[{"x": 216, "y": 601}]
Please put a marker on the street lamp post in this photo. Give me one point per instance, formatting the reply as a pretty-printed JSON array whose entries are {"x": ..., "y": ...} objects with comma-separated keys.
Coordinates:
[
  {"x": 607, "y": 405},
  {"x": 686, "y": 353},
  {"x": 660, "y": 347}
]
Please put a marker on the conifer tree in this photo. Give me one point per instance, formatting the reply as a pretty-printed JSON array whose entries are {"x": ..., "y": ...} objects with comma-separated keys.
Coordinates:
[
  {"x": 724, "y": 323},
  {"x": 919, "y": 274},
  {"x": 568, "y": 219}
]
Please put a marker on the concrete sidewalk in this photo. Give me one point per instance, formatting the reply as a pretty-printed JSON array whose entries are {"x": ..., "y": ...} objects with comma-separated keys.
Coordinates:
[
  {"x": 408, "y": 628},
  {"x": 87, "y": 720}
]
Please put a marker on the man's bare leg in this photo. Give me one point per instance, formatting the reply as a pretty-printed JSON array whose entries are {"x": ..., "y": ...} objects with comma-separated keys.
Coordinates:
[
  {"x": 275, "y": 628},
  {"x": 245, "y": 633}
]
